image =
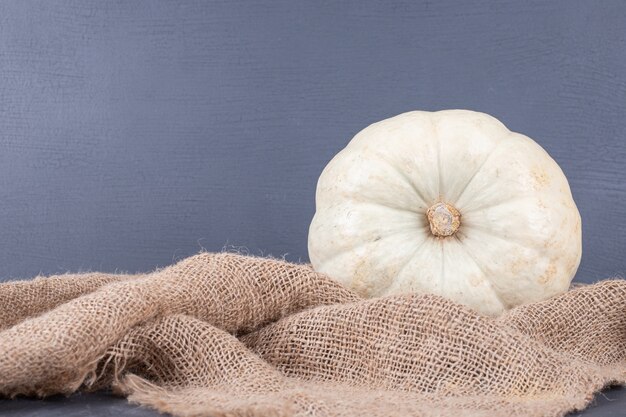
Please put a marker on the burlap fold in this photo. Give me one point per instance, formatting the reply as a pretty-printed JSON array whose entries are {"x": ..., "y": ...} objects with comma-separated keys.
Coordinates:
[{"x": 231, "y": 335}]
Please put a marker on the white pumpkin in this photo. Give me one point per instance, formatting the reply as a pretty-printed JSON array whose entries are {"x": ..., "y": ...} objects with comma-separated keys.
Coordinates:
[{"x": 449, "y": 203}]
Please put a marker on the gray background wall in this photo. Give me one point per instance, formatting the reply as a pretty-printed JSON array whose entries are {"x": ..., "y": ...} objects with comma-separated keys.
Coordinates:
[{"x": 135, "y": 133}]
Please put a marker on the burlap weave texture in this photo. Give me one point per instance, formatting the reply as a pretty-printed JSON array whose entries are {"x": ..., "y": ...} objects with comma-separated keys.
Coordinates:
[{"x": 231, "y": 335}]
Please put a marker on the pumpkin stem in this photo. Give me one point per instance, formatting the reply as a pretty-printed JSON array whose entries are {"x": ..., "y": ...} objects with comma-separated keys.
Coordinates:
[{"x": 444, "y": 219}]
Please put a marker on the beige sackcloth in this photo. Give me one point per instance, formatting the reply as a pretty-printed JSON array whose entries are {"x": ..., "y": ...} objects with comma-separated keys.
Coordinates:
[{"x": 230, "y": 335}]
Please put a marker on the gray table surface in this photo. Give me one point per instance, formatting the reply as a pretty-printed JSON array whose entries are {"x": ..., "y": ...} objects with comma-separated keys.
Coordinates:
[{"x": 609, "y": 403}]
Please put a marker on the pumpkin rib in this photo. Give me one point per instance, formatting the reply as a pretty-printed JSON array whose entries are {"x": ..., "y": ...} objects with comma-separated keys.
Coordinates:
[
  {"x": 443, "y": 265},
  {"x": 538, "y": 254},
  {"x": 364, "y": 243},
  {"x": 519, "y": 236},
  {"x": 516, "y": 199},
  {"x": 410, "y": 258},
  {"x": 480, "y": 167},
  {"x": 508, "y": 239},
  {"x": 403, "y": 175},
  {"x": 422, "y": 226},
  {"x": 386, "y": 206},
  {"x": 439, "y": 169},
  {"x": 352, "y": 190},
  {"x": 469, "y": 253}
]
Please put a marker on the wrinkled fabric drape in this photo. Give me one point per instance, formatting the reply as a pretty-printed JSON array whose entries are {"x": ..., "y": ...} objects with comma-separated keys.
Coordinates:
[{"x": 230, "y": 335}]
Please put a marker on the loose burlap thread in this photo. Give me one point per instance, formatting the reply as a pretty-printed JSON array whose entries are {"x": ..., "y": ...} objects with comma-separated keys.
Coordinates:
[{"x": 231, "y": 335}]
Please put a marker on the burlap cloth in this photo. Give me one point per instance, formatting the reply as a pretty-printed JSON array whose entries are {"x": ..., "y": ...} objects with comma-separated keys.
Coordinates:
[{"x": 230, "y": 335}]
